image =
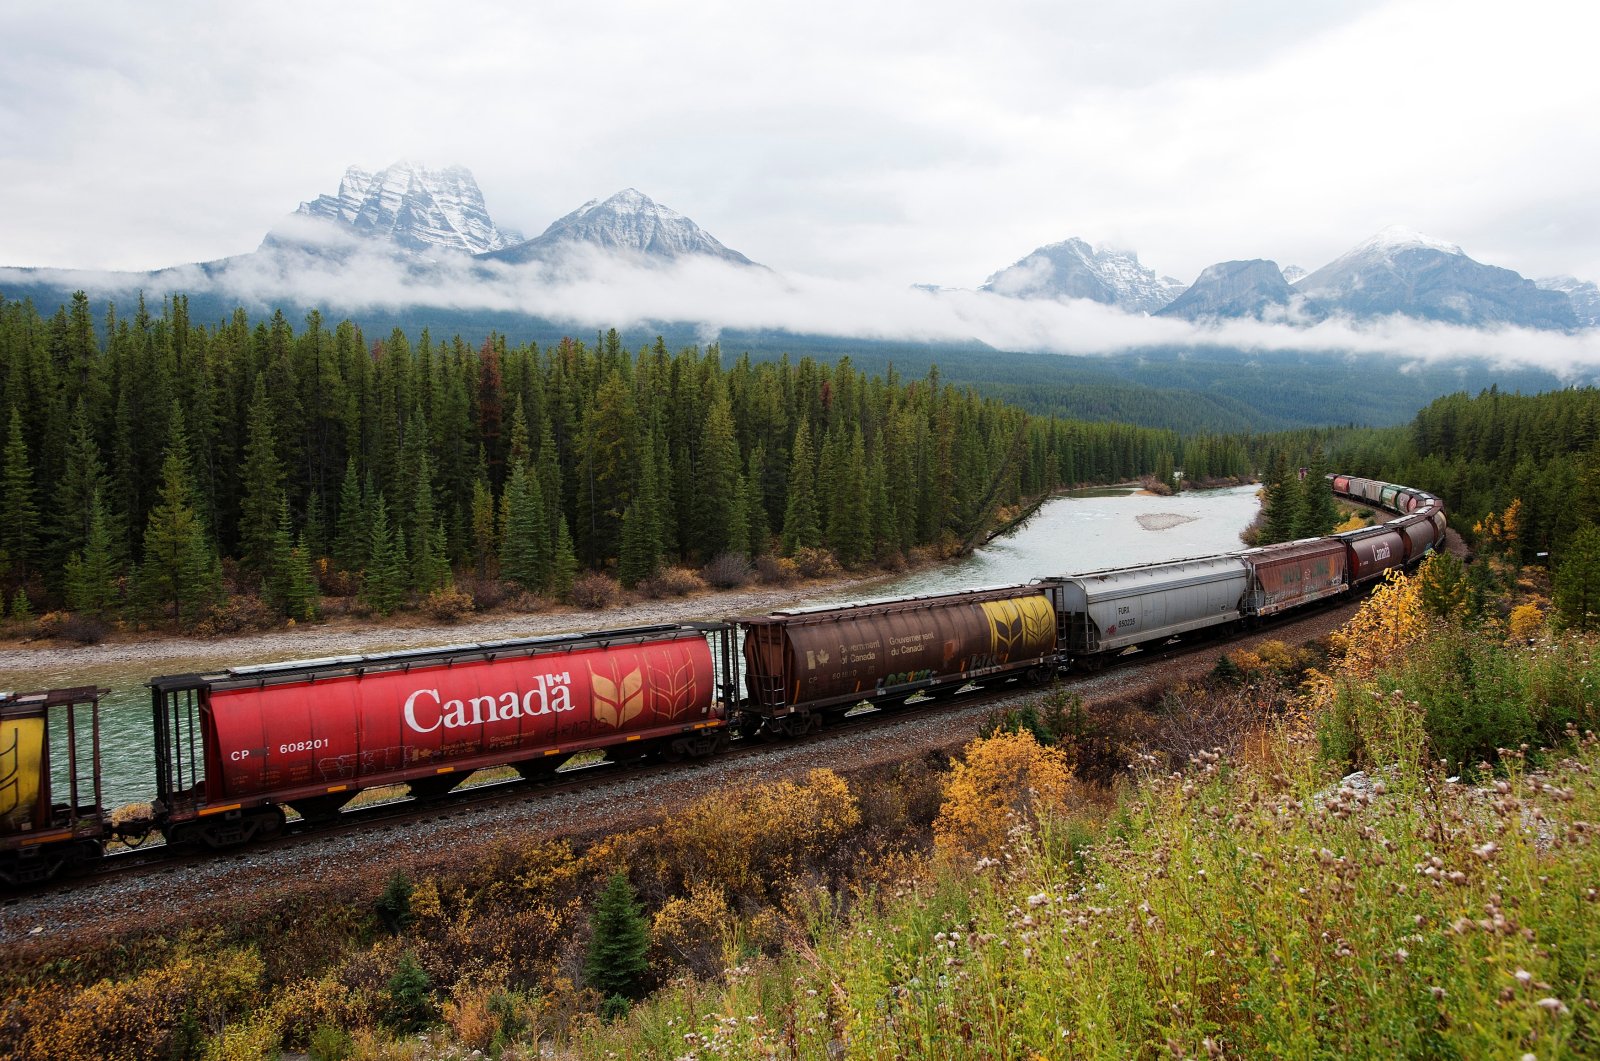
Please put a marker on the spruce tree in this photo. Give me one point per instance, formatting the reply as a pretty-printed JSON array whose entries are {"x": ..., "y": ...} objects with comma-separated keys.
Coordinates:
[
  {"x": 885, "y": 536},
  {"x": 93, "y": 573},
  {"x": 619, "y": 938},
  {"x": 800, "y": 529},
  {"x": 353, "y": 523},
  {"x": 82, "y": 484},
  {"x": 1318, "y": 512},
  {"x": 522, "y": 533},
  {"x": 1282, "y": 502},
  {"x": 564, "y": 564},
  {"x": 484, "y": 542},
  {"x": 179, "y": 575},
  {"x": 383, "y": 587},
  {"x": 849, "y": 525},
  {"x": 637, "y": 559},
  {"x": 755, "y": 503},
  {"x": 1577, "y": 581},
  {"x": 260, "y": 484},
  {"x": 19, "y": 529},
  {"x": 429, "y": 566},
  {"x": 716, "y": 480},
  {"x": 289, "y": 587}
]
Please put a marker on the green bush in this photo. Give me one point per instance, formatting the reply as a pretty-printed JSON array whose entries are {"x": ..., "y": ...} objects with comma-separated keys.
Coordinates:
[
  {"x": 394, "y": 905},
  {"x": 410, "y": 996},
  {"x": 329, "y": 1043}
]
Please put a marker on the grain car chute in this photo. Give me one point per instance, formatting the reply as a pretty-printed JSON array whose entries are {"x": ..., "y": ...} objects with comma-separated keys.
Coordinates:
[
  {"x": 805, "y": 664},
  {"x": 234, "y": 748}
]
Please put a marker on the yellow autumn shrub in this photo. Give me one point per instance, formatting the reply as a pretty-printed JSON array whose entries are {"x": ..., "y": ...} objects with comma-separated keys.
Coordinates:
[
  {"x": 755, "y": 841},
  {"x": 1007, "y": 780},
  {"x": 1391, "y": 619},
  {"x": 139, "y": 1016},
  {"x": 1526, "y": 622},
  {"x": 689, "y": 931}
]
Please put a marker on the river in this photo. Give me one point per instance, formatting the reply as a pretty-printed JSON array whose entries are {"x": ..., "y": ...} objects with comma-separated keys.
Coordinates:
[{"x": 1085, "y": 532}]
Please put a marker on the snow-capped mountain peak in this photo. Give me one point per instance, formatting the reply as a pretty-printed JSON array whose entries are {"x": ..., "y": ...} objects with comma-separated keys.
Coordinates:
[
  {"x": 1402, "y": 271},
  {"x": 1583, "y": 294},
  {"x": 414, "y": 208},
  {"x": 1074, "y": 269},
  {"x": 1399, "y": 237},
  {"x": 629, "y": 222}
]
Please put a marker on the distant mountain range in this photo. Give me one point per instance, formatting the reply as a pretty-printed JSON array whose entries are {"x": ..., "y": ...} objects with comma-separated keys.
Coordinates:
[
  {"x": 433, "y": 223},
  {"x": 1398, "y": 271}
]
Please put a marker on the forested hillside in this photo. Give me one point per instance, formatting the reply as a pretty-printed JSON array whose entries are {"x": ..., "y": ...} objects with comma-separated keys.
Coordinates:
[
  {"x": 154, "y": 470},
  {"x": 1483, "y": 453}
]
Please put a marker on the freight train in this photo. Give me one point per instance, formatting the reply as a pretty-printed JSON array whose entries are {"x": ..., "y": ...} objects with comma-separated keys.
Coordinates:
[{"x": 234, "y": 750}]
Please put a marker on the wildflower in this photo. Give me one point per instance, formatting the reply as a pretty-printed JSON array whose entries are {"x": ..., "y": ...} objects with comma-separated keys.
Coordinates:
[
  {"x": 1400, "y": 954},
  {"x": 1553, "y": 1006},
  {"x": 1523, "y": 977}
]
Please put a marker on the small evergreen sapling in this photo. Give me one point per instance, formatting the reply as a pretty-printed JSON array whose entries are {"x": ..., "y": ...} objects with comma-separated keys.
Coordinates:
[{"x": 616, "y": 960}]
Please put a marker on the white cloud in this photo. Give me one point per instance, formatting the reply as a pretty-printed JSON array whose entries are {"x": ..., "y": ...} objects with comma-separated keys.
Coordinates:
[
  {"x": 882, "y": 143},
  {"x": 590, "y": 291}
]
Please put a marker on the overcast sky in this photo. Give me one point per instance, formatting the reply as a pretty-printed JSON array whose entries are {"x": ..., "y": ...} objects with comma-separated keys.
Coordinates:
[{"x": 888, "y": 142}]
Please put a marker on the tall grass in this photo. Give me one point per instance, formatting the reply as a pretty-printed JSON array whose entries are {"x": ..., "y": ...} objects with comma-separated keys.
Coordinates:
[{"x": 1261, "y": 908}]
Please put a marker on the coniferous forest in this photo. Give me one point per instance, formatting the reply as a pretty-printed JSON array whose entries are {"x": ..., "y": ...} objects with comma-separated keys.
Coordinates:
[{"x": 155, "y": 467}]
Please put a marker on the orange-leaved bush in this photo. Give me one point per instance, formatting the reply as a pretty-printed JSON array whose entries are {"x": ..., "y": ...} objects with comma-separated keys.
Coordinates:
[{"x": 1007, "y": 780}]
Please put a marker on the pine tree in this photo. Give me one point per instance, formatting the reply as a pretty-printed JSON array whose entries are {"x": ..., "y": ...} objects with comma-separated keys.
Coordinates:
[
  {"x": 564, "y": 564},
  {"x": 615, "y": 963},
  {"x": 1318, "y": 512},
  {"x": 92, "y": 574},
  {"x": 522, "y": 533},
  {"x": 800, "y": 530},
  {"x": 353, "y": 523},
  {"x": 430, "y": 566},
  {"x": 260, "y": 484},
  {"x": 755, "y": 503},
  {"x": 289, "y": 586},
  {"x": 1282, "y": 502},
  {"x": 19, "y": 530},
  {"x": 383, "y": 587},
  {"x": 83, "y": 482},
  {"x": 885, "y": 536},
  {"x": 483, "y": 525},
  {"x": 1577, "y": 581},
  {"x": 638, "y": 558},
  {"x": 716, "y": 480},
  {"x": 849, "y": 526},
  {"x": 303, "y": 601},
  {"x": 179, "y": 575}
]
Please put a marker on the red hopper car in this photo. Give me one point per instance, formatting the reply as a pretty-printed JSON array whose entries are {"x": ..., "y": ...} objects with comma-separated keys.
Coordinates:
[{"x": 234, "y": 748}]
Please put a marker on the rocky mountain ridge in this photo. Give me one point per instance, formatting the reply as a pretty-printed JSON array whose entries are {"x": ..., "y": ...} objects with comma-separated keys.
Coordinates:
[{"x": 1074, "y": 269}]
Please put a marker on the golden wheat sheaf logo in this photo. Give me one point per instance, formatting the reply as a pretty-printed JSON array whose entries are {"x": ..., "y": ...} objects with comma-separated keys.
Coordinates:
[
  {"x": 674, "y": 688},
  {"x": 616, "y": 701},
  {"x": 21, "y": 753},
  {"x": 1019, "y": 628}
]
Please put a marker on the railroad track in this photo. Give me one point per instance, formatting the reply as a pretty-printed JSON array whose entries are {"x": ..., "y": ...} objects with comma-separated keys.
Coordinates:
[{"x": 376, "y": 819}]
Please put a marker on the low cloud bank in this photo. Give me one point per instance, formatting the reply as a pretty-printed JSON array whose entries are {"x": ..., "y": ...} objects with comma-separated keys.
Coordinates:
[{"x": 593, "y": 290}]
